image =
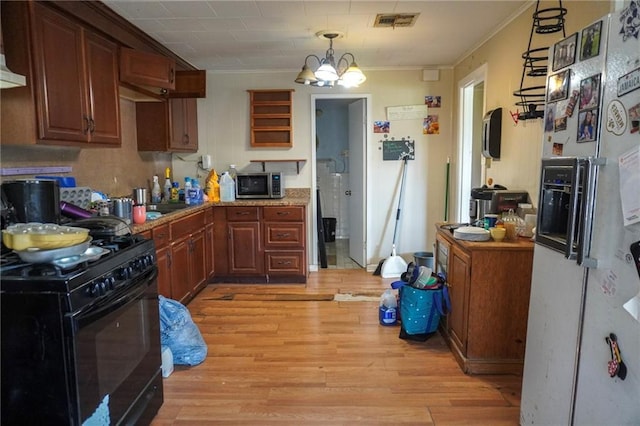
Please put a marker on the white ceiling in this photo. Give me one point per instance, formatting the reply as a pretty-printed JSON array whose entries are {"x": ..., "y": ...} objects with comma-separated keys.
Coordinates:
[{"x": 246, "y": 35}]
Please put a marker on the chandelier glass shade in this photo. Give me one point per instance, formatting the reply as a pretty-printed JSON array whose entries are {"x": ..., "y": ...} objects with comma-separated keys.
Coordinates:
[{"x": 329, "y": 72}]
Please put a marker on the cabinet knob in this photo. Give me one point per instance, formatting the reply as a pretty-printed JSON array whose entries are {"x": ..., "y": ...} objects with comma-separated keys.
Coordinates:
[
  {"x": 88, "y": 124},
  {"x": 284, "y": 213},
  {"x": 283, "y": 235}
]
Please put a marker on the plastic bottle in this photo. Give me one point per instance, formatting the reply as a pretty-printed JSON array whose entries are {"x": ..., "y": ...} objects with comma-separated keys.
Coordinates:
[
  {"x": 227, "y": 188},
  {"x": 195, "y": 193},
  {"x": 212, "y": 187},
  {"x": 155, "y": 191},
  {"x": 167, "y": 185},
  {"x": 388, "y": 308},
  {"x": 187, "y": 190},
  {"x": 175, "y": 192}
]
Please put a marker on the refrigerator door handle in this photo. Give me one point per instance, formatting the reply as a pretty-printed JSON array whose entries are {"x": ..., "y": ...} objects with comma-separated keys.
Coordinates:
[
  {"x": 587, "y": 212},
  {"x": 574, "y": 207}
]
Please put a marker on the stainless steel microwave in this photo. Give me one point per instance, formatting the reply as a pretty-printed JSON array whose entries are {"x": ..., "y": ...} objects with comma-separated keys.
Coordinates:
[{"x": 259, "y": 185}]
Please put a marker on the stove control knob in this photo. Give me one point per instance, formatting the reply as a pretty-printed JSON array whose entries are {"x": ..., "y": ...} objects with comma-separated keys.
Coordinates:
[
  {"x": 93, "y": 290},
  {"x": 111, "y": 283},
  {"x": 125, "y": 272}
]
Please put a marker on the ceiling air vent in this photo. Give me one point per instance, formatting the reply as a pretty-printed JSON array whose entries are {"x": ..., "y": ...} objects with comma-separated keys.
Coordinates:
[{"x": 389, "y": 20}]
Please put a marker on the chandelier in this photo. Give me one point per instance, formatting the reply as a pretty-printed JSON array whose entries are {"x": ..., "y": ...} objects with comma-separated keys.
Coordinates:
[{"x": 329, "y": 72}]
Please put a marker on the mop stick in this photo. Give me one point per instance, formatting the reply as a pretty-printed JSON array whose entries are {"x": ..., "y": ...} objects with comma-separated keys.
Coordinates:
[{"x": 446, "y": 194}]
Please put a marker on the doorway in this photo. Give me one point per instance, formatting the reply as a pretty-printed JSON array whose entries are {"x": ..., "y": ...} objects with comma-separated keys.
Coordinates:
[
  {"x": 471, "y": 163},
  {"x": 339, "y": 124}
]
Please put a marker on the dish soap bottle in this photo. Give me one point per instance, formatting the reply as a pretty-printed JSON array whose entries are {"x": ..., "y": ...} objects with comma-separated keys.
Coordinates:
[
  {"x": 155, "y": 191},
  {"x": 187, "y": 190},
  {"x": 167, "y": 185}
]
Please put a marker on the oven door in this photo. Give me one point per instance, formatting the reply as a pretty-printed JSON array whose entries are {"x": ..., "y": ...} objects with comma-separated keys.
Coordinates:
[{"x": 117, "y": 352}]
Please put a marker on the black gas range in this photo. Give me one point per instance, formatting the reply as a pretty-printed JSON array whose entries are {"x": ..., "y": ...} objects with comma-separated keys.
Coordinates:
[{"x": 82, "y": 342}]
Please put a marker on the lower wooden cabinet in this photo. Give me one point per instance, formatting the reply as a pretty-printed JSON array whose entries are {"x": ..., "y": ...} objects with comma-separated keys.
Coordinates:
[
  {"x": 260, "y": 244},
  {"x": 184, "y": 255},
  {"x": 489, "y": 285},
  {"x": 188, "y": 263},
  {"x": 208, "y": 242}
]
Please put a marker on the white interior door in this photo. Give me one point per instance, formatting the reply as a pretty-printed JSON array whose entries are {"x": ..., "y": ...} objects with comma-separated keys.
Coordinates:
[{"x": 357, "y": 174}]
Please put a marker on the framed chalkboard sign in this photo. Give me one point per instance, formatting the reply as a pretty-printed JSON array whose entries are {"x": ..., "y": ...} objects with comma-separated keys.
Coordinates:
[{"x": 397, "y": 150}]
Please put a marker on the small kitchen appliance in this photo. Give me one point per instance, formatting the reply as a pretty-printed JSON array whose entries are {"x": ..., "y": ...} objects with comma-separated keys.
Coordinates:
[
  {"x": 496, "y": 200},
  {"x": 259, "y": 185}
]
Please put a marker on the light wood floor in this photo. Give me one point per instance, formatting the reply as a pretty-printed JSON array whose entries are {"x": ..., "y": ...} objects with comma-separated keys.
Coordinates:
[{"x": 288, "y": 355}]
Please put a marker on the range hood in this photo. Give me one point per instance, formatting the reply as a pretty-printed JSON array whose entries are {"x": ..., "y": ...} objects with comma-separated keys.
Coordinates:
[{"x": 8, "y": 78}]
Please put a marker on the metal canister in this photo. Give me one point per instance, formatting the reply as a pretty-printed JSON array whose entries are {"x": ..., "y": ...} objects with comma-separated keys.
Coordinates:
[
  {"x": 123, "y": 208},
  {"x": 140, "y": 196}
]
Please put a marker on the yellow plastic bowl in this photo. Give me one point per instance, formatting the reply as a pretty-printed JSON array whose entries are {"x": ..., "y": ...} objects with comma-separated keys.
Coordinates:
[
  {"x": 498, "y": 234},
  {"x": 45, "y": 236}
]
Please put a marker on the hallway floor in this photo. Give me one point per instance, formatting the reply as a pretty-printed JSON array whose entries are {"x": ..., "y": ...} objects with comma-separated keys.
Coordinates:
[{"x": 338, "y": 255}]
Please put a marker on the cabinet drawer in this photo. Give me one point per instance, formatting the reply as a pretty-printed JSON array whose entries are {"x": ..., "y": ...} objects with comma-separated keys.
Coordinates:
[
  {"x": 283, "y": 235},
  {"x": 284, "y": 262},
  {"x": 161, "y": 235},
  {"x": 187, "y": 225},
  {"x": 242, "y": 214},
  {"x": 281, "y": 214}
]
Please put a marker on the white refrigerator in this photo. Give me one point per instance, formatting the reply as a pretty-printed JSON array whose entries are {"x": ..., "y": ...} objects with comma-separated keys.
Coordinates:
[{"x": 590, "y": 288}]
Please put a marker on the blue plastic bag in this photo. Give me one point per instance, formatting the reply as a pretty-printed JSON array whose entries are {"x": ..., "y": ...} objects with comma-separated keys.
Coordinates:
[{"x": 180, "y": 333}]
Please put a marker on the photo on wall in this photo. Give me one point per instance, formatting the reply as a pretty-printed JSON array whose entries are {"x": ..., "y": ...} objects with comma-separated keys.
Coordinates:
[
  {"x": 432, "y": 101},
  {"x": 381, "y": 127},
  {"x": 590, "y": 46},
  {"x": 587, "y": 125},
  {"x": 564, "y": 52}
]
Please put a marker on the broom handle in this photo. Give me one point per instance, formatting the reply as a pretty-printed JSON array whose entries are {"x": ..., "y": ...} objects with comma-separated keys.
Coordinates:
[{"x": 404, "y": 176}]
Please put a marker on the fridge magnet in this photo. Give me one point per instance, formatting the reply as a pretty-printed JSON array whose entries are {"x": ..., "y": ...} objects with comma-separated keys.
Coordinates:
[
  {"x": 549, "y": 119},
  {"x": 590, "y": 92},
  {"x": 629, "y": 82},
  {"x": 564, "y": 52},
  {"x": 616, "y": 118},
  {"x": 430, "y": 125},
  {"x": 558, "y": 86},
  {"x": 557, "y": 148},
  {"x": 573, "y": 100},
  {"x": 560, "y": 124},
  {"x": 381, "y": 127},
  {"x": 634, "y": 118},
  {"x": 432, "y": 101},
  {"x": 587, "y": 125},
  {"x": 590, "y": 46},
  {"x": 630, "y": 18}
]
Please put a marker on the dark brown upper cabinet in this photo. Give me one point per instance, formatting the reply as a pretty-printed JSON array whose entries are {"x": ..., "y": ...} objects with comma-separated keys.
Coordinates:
[
  {"x": 169, "y": 126},
  {"x": 152, "y": 72},
  {"x": 72, "y": 93}
]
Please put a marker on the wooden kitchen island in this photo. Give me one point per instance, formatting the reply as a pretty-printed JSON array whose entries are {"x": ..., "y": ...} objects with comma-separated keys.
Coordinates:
[{"x": 489, "y": 284}]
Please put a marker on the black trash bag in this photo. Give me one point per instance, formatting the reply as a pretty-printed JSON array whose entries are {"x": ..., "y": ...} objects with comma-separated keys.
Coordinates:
[{"x": 180, "y": 333}]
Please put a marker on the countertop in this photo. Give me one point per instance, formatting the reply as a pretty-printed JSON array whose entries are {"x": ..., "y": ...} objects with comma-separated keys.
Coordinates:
[
  {"x": 522, "y": 243},
  {"x": 293, "y": 197}
]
